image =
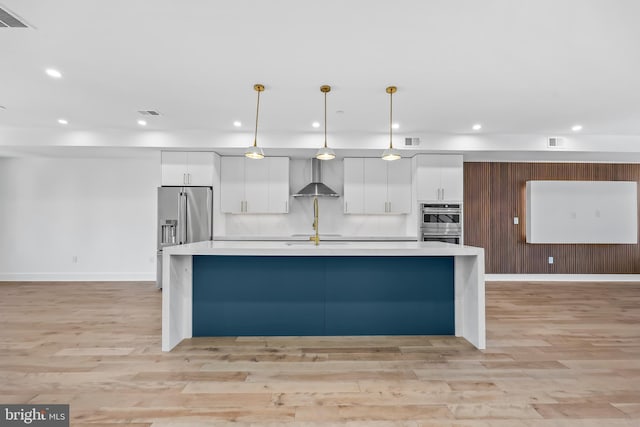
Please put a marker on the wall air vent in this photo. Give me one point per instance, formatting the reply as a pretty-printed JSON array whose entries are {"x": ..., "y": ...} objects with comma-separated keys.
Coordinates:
[
  {"x": 411, "y": 142},
  {"x": 148, "y": 112},
  {"x": 555, "y": 142},
  {"x": 9, "y": 20}
]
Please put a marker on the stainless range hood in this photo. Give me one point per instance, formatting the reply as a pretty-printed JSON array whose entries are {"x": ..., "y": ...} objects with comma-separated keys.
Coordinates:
[{"x": 316, "y": 188}]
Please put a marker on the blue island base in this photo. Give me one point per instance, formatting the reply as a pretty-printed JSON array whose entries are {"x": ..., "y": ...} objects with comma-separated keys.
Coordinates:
[{"x": 322, "y": 295}]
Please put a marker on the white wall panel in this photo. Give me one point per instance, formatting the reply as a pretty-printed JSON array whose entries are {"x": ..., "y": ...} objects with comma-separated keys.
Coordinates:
[{"x": 78, "y": 218}]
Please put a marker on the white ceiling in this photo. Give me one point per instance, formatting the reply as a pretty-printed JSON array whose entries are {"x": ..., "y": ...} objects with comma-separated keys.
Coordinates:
[{"x": 518, "y": 67}]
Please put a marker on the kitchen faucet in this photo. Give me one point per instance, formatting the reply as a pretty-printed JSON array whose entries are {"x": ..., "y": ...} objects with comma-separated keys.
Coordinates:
[{"x": 316, "y": 238}]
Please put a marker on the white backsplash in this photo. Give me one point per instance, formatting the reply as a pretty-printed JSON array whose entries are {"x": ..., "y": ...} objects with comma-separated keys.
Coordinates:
[{"x": 299, "y": 220}]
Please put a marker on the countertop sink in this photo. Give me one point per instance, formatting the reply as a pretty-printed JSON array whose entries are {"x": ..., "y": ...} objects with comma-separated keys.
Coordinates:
[
  {"x": 321, "y": 235},
  {"x": 310, "y": 243}
]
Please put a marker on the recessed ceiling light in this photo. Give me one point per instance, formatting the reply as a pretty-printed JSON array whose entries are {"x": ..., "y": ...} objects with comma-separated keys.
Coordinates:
[
  {"x": 142, "y": 122},
  {"x": 576, "y": 128},
  {"x": 315, "y": 124},
  {"x": 237, "y": 123},
  {"x": 63, "y": 121},
  {"x": 477, "y": 126},
  {"x": 339, "y": 111},
  {"x": 395, "y": 126},
  {"x": 52, "y": 72}
]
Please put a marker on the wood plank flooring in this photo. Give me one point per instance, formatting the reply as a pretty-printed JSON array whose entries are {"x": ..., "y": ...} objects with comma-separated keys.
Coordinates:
[{"x": 558, "y": 354}]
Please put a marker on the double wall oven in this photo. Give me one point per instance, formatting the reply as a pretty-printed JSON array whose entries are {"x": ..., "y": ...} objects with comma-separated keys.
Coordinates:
[{"x": 441, "y": 222}]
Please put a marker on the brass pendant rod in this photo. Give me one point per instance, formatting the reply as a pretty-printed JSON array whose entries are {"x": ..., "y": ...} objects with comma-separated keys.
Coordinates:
[
  {"x": 325, "y": 119},
  {"x": 255, "y": 135},
  {"x": 391, "y": 120}
]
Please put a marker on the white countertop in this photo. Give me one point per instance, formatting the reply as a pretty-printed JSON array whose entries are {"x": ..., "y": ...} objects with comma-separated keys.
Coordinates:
[
  {"x": 326, "y": 248},
  {"x": 325, "y": 237}
]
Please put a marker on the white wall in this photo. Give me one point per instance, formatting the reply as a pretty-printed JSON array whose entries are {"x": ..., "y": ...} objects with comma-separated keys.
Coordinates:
[
  {"x": 332, "y": 217},
  {"x": 100, "y": 210}
]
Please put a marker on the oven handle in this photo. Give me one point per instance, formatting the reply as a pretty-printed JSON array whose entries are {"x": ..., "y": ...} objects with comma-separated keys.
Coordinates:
[{"x": 441, "y": 211}]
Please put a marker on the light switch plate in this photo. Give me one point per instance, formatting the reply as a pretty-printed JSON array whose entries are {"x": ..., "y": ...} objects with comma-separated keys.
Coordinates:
[
  {"x": 550, "y": 260},
  {"x": 516, "y": 220}
]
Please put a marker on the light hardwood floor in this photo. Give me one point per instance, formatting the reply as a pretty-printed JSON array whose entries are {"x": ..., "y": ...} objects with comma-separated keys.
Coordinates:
[{"x": 558, "y": 354}]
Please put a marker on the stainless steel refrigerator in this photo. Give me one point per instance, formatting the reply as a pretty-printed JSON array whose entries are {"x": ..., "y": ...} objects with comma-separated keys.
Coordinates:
[{"x": 185, "y": 215}]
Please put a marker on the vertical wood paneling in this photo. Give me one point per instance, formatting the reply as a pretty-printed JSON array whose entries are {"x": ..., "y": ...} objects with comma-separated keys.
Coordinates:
[
  {"x": 495, "y": 193},
  {"x": 477, "y": 213}
]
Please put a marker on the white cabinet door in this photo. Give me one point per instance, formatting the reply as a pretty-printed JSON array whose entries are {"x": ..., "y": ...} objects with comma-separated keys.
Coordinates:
[
  {"x": 187, "y": 168},
  {"x": 256, "y": 185},
  {"x": 278, "y": 184},
  {"x": 232, "y": 185},
  {"x": 451, "y": 178},
  {"x": 439, "y": 177},
  {"x": 399, "y": 186},
  {"x": 353, "y": 185},
  {"x": 174, "y": 167},
  {"x": 200, "y": 168},
  {"x": 428, "y": 177},
  {"x": 375, "y": 186}
]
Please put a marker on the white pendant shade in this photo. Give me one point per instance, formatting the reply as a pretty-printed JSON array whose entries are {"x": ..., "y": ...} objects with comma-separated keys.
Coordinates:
[
  {"x": 391, "y": 154},
  {"x": 254, "y": 152},
  {"x": 325, "y": 153}
]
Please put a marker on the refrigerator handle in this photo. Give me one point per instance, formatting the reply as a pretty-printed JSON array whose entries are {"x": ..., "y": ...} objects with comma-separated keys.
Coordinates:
[
  {"x": 185, "y": 216},
  {"x": 182, "y": 218}
]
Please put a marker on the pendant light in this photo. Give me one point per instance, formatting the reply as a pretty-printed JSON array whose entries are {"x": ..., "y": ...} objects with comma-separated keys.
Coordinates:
[
  {"x": 325, "y": 153},
  {"x": 391, "y": 153},
  {"x": 255, "y": 152}
]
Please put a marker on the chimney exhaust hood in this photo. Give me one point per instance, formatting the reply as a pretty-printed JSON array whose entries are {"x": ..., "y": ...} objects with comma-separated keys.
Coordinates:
[{"x": 316, "y": 188}]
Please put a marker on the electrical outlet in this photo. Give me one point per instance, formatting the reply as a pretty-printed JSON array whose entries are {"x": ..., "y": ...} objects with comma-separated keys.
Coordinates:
[
  {"x": 550, "y": 260},
  {"x": 516, "y": 220}
]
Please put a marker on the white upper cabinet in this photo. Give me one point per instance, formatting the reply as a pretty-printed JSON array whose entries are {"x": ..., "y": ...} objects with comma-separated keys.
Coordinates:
[
  {"x": 187, "y": 168},
  {"x": 174, "y": 167},
  {"x": 428, "y": 185},
  {"x": 452, "y": 177},
  {"x": 232, "y": 184},
  {"x": 354, "y": 185},
  {"x": 200, "y": 168},
  {"x": 278, "y": 184},
  {"x": 439, "y": 177},
  {"x": 376, "y": 186},
  {"x": 254, "y": 186},
  {"x": 399, "y": 185}
]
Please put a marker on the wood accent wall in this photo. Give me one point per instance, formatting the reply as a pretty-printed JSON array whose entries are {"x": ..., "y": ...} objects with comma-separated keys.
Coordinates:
[{"x": 494, "y": 193}]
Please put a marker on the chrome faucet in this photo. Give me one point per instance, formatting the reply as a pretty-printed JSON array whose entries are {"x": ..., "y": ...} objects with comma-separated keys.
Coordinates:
[{"x": 316, "y": 238}]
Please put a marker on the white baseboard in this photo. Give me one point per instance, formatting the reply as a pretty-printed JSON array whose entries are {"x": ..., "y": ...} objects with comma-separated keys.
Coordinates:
[
  {"x": 77, "y": 277},
  {"x": 562, "y": 277}
]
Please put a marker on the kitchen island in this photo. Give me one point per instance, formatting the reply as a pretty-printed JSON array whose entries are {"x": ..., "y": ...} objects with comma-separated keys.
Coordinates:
[{"x": 224, "y": 288}]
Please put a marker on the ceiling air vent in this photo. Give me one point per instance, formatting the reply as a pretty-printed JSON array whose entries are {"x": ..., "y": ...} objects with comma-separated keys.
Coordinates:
[
  {"x": 148, "y": 112},
  {"x": 411, "y": 142},
  {"x": 555, "y": 142},
  {"x": 10, "y": 20}
]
